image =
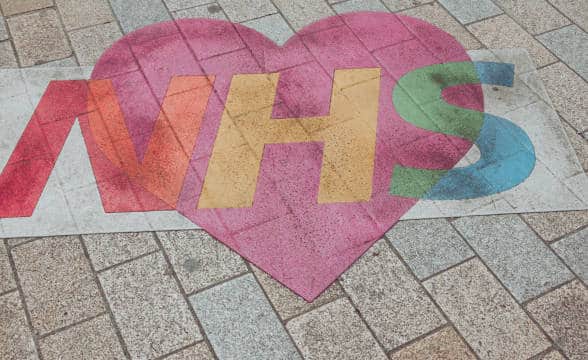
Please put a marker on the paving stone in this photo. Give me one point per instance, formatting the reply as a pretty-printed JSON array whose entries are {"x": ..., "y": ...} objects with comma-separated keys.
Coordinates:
[
  {"x": 563, "y": 314},
  {"x": 15, "y": 336},
  {"x": 553, "y": 225},
  {"x": 133, "y": 15},
  {"x": 579, "y": 143},
  {"x": 396, "y": 5},
  {"x": 552, "y": 355},
  {"x": 3, "y": 31},
  {"x": 303, "y": 12},
  {"x": 436, "y": 15},
  {"x": 288, "y": 304},
  {"x": 67, "y": 62},
  {"x": 6, "y": 278},
  {"x": 243, "y": 10},
  {"x": 503, "y": 32},
  {"x": 148, "y": 307},
  {"x": 444, "y": 344},
  {"x": 199, "y": 351},
  {"x": 7, "y": 57},
  {"x": 573, "y": 249},
  {"x": 359, "y": 5},
  {"x": 199, "y": 260},
  {"x": 38, "y": 37},
  {"x": 485, "y": 314},
  {"x": 210, "y": 11},
  {"x": 428, "y": 246},
  {"x": 537, "y": 16},
  {"x": 11, "y": 7},
  {"x": 240, "y": 322},
  {"x": 334, "y": 331},
  {"x": 90, "y": 43},
  {"x": 523, "y": 263},
  {"x": 57, "y": 282},
  {"x": 390, "y": 300},
  {"x": 566, "y": 90},
  {"x": 570, "y": 44},
  {"x": 174, "y": 5},
  {"x": 576, "y": 10},
  {"x": 106, "y": 250},
  {"x": 273, "y": 26},
  {"x": 93, "y": 339},
  {"x": 81, "y": 13},
  {"x": 467, "y": 11}
]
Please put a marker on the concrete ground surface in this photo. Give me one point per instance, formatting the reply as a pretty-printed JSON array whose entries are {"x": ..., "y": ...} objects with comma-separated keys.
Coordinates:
[{"x": 490, "y": 287}]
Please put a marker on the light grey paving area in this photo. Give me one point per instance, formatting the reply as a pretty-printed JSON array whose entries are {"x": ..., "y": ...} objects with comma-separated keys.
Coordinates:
[
  {"x": 573, "y": 249},
  {"x": 303, "y": 12},
  {"x": 173, "y": 5},
  {"x": 106, "y": 250},
  {"x": 209, "y": 11},
  {"x": 3, "y": 31},
  {"x": 523, "y": 263},
  {"x": 7, "y": 57},
  {"x": 570, "y": 44},
  {"x": 485, "y": 314},
  {"x": 136, "y": 14},
  {"x": 76, "y": 14},
  {"x": 239, "y": 11},
  {"x": 576, "y": 10},
  {"x": 89, "y": 43},
  {"x": 467, "y": 11},
  {"x": 396, "y": 5},
  {"x": 149, "y": 308},
  {"x": 536, "y": 16},
  {"x": 428, "y": 246},
  {"x": 15, "y": 336},
  {"x": 240, "y": 323},
  {"x": 358, "y": 5},
  {"x": 199, "y": 351},
  {"x": 273, "y": 26}
]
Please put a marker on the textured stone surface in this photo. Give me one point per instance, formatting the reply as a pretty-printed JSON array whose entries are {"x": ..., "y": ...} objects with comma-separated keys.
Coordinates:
[
  {"x": 38, "y": 37},
  {"x": 467, "y": 11},
  {"x": 484, "y": 313},
  {"x": 395, "y": 5},
  {"x": 133, "y": 15},
  {"x": 81, "y": 13},
  {"x": 239, "y": 11},
  {"x": 537, "y": 16},
  {"x": 153, "y": 317},
  {"x": 573, "y": 249},
  {"x": 173, "y": 5},
  {"x": 90, "y": 43},
  {"x": 106, "y": 250},
  {"x": 391, "y": 301},
  {"x": 570, "y": 44},
  {"x": 359, "y": 5},
  {"x": 554, "y": 225},
  {"x": 523, "y": 263},
  {"x": 444, "y": 344},
  {"x": 273, "y": 26},
  {"x": 303, "y": 12},
  {"x": 579, "y": 143},
  {"x": 288, "y": 304},
  {"x": 210, "y": 11},
  {"x": 503, "y": 32},
  {"x": 93, "y": 339},
  {"x": 199, "y": 260},
  {"x": 7, "y": 282},
  {"x": 15, "y": 336},
  {"x": 334, "y": 331},
  {"x": 240, "y": 322},
  {"x": 7, "y": 57},
  {"x": 11, "y": 7},
  {"x": 428, "y": 246},
  {"x": 57, "y": 282},
  {"x": 577, "y": 10},
  {"x": 199, "y": 351},
  {"x": 3, "y": 31},
  {"x": 563, "y": 313}
]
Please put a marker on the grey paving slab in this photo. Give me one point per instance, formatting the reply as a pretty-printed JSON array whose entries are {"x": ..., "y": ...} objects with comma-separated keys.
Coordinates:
[
  {"x": 57, "y": 282},
  {"x": 107, "y": 250},
  {"x": 288, "y": 304},
  {"x": 199, "y": 260},
  {"x": 7, "y": 282},
  {"x": 563, "y": 314},
  {"x": 579, "y": 144},
  {"x": 444, "y": 344},
  {"x": 396, "y": 5},
  {"x": 566, "y": 90},
  {"x": 485, "y": 314},
  {"x": 12, "y": 84},
  {"x": 76, "y": 14},
  {"x": 7, "y": 56},
  {"x": 91, "y": 42},
  {"x": 334, "y": 331},
  {"x": 148, "y": 307},
  {"x": 573, "y": 249},
  {"x": 552, "y": 355},
  {"x": 467, "y": 11},
  {"x": 303, "y": 12},
  {"x": 428, "y": 246},
  {"x": 503, "y": 32},
  {"x": 3, "y": 30},
  {"x": 199, "y": 351},
  {"x": 576, "y": 10},
  {"x": 15, "y": 336},
  {"x": 273, "y": 26},
  {"x": 239, "y": 11},
  {"x": 536, "y": 16},
  {"x": 174, "y": 5},
  {"x": 67, "y": 62},
  {"x": 391, "y": 301},
  {"x": 438, "y": 16},
  {"x": 93, "y": 339},
  {"x": 359, "y": 5},
  {"x": 11, "y": 7},
  {"x": 38, "y": 37},
  {"x": 553, "y": 225},
  {"x": 133, "y": 15},
  {"x": 523, "y": 263},
  {"x": 570, "y": 44},
  {"x": 210, "y": 11},
  {"x": 240, "y": 322}
]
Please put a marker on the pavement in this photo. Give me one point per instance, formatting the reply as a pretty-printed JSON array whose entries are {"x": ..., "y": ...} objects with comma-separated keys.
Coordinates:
[{"x": 80, "y": 282}]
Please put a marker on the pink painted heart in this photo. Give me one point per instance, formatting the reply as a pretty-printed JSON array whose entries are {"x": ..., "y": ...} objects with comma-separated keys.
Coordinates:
[{"x": 300, "y": 242}]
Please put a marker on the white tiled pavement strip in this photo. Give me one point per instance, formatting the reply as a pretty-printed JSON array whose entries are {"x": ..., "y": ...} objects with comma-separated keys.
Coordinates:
[{"x": 488, "y": 287}]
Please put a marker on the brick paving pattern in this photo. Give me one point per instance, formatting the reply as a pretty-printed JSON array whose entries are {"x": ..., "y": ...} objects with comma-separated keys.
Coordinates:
[{"x": 488, "y": 287}]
